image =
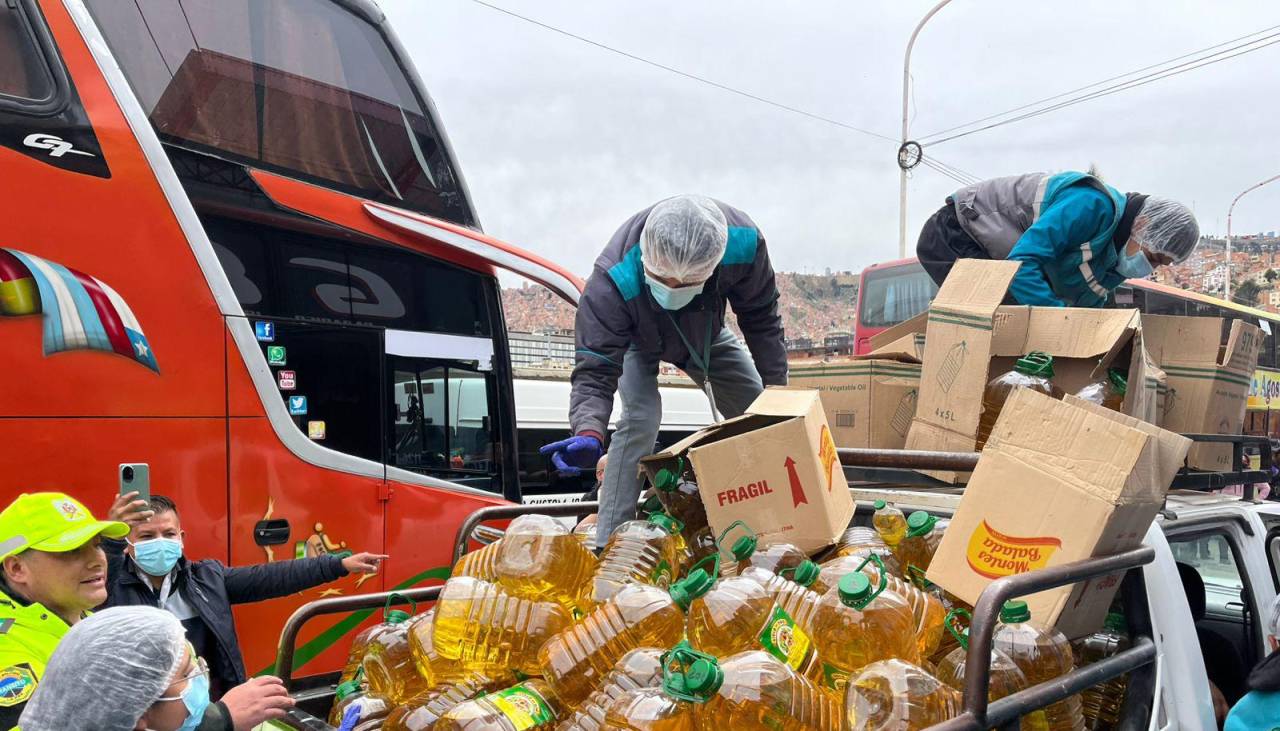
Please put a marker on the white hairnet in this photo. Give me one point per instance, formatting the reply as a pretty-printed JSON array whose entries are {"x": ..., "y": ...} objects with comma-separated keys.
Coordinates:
[
  {"x": 107, "y": 671},
  {"x": 1168, "y": 227},
  {"x": 684, "y": 238}
]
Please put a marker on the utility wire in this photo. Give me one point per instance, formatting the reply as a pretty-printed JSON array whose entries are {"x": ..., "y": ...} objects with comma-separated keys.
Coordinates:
[
  {"x": 1124, "y": 86},
  {"x": 942, "y": 169},
  {"x": 957, "y": 172},
  {"x": 1100, "y": 83},
  {"x": 687, "y": 75}
]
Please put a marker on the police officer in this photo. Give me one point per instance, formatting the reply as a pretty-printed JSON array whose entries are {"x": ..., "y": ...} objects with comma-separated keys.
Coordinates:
[{"x": 658, "y": 293}]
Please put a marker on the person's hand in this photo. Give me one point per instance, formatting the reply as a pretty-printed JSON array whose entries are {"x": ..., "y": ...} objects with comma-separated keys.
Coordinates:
[
  {"x": 260, "y": 700},
  {"x": 573, "y": 455},
  {"x": 363, "y": 563},
  {"x": 128, "y": 509}
]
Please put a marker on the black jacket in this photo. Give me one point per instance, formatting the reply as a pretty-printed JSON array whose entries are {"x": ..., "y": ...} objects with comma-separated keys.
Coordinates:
[{"x": 211, "y": 587}]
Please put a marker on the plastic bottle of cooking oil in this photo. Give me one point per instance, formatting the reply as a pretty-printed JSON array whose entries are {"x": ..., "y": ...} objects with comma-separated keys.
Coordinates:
[
  {"x": 889, "y": 522},
  {"x": 423, "y": 710},
  {"x": 481, "y": 628},
  {"x": 953, "y": 605},
  {"x": 585, "y": 532},
  {"x": 1107, "y": 391},
  {"x": 575, "y": 661},
  {"x": 481, "y": 564},
  {"x": 892, "y": 694},
  {"x": 1102, "y": 703},
  {"x": 388, "y": 661},
  {"x": 861, "y": 542},
  {"x": 737, "y": 614},
  {"x": 522, "y": 707},
  {"x": 688, "y": 681},
  {"x": 539, "y": 560},
  {"x": 1042, "y": 655},
  {"x": 640, "y": 668},
  {"x": 639, "y": 550},
  {"x": 1033, "y": 370},
  {"x": 350, "y": 698},
  {"x": 697, "y": 547},
  {"x": 774, "y": 557},
  {"x": 802, "y": 578},
  {"x": 680, "y": 499},
  {"x": 1006, "y": 677},
  {"x": 759, "y": 691},
  {"x": 355, "y": 656},
  {"x": 857, "y": 624},
  {"x": 925, "y": 607},
  {"x": 924, "y": 533}
]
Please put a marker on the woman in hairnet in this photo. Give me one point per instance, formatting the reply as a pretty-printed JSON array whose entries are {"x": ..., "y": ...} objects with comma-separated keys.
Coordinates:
[
  {"x": 1077, "y": 237},
  {"x": 121, "y": 669},
  {"x": 658, "y": 293}
]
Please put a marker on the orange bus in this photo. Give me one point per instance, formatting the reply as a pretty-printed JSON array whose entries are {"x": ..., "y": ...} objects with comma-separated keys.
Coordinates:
[{"x": 237, "y": 247}]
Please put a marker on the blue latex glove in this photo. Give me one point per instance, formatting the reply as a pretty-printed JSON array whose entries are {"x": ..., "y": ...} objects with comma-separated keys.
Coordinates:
[{"x": 573, "y": 455}]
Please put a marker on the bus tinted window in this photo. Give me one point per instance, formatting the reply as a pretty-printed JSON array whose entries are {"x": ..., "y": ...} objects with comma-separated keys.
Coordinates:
[
  {"x": 441, "y": 418},
  {"x": 890, "y": 296},
  {"x": 23, "y": 72},
  {"x": 303, "y": 87}
]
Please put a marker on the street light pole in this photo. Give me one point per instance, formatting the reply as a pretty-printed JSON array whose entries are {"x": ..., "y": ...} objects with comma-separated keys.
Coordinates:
[
  {"x": 1227, "y": 287},
  {"x": 902, "y": 168}
]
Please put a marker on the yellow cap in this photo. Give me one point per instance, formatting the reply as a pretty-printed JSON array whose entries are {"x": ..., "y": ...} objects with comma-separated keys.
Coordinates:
[{"x": 53, "y": 522}]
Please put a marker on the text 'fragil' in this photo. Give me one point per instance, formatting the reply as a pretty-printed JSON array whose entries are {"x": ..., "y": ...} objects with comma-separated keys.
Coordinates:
[{"x": 744, "y": 492}]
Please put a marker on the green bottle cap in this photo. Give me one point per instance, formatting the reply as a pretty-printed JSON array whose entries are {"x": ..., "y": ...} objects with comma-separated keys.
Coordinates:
[
  {"x": 345, "y": 689},
  {"x": 703, "y": 678},
  {"x": 743, "y": 547},
  {"x": 920, "y": 523},
  {"x": 652, "y": 505},
  {"x": 1035, "y": 363},
  {"x": 1118, "y": 381},
  {"x": 806, "y": 573},
  {"x": 666, "y": 480},
  {"x": 396, "y": 616},
  {"x": 1014, "y": 611},
  {"x": 854, "y": 588},
  {"x": 697, "y": 583},
  {"x": 666, "y": 522},
  {"x": 1116, "y": 623},
  {"x": 879, "y": 504}
]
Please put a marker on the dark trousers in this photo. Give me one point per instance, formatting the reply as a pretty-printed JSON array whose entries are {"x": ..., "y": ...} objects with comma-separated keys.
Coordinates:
[{"x": 942, "y": 242}]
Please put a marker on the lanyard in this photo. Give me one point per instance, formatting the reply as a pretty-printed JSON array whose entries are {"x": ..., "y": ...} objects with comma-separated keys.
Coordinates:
[{"x": 703, "y": 362}]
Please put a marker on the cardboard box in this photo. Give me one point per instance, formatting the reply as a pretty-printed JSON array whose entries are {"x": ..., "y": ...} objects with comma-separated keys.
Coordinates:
[
  {"x": 774, "y": 468},
  {"x": 1208, "y": 380},
  {"x": 869, "y": 401},
  {"x": 971, "y": 338},
  {"x": 1058, "y": 481}
]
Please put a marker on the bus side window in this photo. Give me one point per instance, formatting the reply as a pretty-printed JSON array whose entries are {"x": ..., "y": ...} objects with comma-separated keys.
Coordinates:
[{"x": 24, "y": 73}]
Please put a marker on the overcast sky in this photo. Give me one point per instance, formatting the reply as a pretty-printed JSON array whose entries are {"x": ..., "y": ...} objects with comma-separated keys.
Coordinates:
[{"x": 561, "y": 141}]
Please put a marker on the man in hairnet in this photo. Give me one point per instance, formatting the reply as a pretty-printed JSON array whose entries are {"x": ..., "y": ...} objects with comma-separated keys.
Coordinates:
[
  {"x": 658, "y": 293},
  {"x": 1076, "y": 237}
]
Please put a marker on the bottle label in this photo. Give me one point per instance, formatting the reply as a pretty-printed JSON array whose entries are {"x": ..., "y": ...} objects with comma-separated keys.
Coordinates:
[
  {"x": 784, "y": 640},
  {"x": 661, "y": 575},
  {"x": 523, "y": 707},
  {"x": 833, "y": 677}
]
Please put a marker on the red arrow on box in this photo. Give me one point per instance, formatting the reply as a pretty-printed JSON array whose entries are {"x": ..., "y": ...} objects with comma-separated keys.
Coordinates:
[{"x": 797, "y": 492}]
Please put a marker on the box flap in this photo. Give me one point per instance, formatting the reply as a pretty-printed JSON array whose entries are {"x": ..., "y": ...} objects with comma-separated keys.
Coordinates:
[
  {"x": 1074, "y": 332},
  {"x": 906, "y": 349},
  {"x": 975, "y": 286},
  {"x": 1169, "y": 337},
  {"x": 785, "y": 401},
  {"x": 1159, "y": 463},
  {"x": 915, "y": 325},
  {"x": 1241, "y": 353}
]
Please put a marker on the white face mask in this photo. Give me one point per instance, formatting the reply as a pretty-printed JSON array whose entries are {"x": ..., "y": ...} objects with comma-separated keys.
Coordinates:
[{"x": 672, "y": 298}]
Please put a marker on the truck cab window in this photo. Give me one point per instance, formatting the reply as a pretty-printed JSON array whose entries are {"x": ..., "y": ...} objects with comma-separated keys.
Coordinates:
[{"x": 1221, "y": 607}]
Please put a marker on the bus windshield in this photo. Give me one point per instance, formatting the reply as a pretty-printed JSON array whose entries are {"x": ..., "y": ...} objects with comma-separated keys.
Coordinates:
[
  {"x": 305, "y": 88},
  {"x": 894, "y": 294}
]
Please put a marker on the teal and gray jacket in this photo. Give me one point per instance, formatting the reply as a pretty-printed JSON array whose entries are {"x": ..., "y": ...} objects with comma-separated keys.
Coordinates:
[
  {"x": 1059, "y": 226},
  {"x": 616, "y": 313}
]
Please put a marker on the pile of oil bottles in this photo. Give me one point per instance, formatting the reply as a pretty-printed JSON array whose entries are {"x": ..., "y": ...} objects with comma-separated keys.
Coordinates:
[{"x": 535, "y": 632}]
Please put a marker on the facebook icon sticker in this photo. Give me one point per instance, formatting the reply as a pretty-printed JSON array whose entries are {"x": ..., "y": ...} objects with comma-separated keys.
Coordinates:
[
  {"x": 297, "y": 405},
  {"x": 266, "y": 331}
]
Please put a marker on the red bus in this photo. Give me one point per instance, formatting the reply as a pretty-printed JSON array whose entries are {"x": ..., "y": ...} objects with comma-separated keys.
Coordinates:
[
  {"x": 237, "y": 247},
  {"x": 888, "y": 294}
]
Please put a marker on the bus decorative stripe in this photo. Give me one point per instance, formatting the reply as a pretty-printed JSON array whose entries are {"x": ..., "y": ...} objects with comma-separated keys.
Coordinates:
[
  {"x": 947, "y": 321},
  {"x": 80, "y": 312}
]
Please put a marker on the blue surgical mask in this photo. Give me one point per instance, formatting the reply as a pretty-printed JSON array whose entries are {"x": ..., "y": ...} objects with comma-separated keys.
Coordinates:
[
  {"x": 157, "y": 556},
  {"x": 672, "y": 298},
  {"x": 196, "y": 699},
  {"x": 1135, "y": 266}
]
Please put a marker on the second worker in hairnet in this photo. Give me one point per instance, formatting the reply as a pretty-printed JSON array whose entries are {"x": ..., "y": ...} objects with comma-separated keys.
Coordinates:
[
  {"x": 658, "y": 293},
  {"x": 1076, "y": 237}
]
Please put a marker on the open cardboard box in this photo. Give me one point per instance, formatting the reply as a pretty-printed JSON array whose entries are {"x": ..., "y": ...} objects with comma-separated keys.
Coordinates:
[
  {"x": 869, "y": 400},
  {"x": 972, "y": 338},
  {"x": 774, "y": 468}
]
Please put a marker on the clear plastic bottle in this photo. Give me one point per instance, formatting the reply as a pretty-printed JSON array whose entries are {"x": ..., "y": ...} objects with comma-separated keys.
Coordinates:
[
  {"x": 1006, "y": 677},
  {"x": 1042, "y": 655},
  {"x": 640, "y": 668},
  {"x": 775, "y": 557},
  {"x": 680, "y": 499},
  {"x": 351, "y": 698},
  {"x": 927, "y": 609},
  {"x": 757, "y": 691},
  {"x": 388, "y": 661},
  {"x": 540, "y": 561},
  {"x": 422, "y": 648},
  {"x": 892, "y": 695},
  {"x": 1102, "y": 703},
  {"x": 924, "y": 533},
  {"x": 527, "y": 706},
  {"x": 856, "y": 624},
  {"x": 696, "y": 548},
  {"x": 889, "y": 522},
  {"x": 1107, "y": 391},
  {"x": 737, "y": 614},
  {"x": 650, "y": 709},
  {"x": 575, "y": 661},
  {"x": 1033, "y": 370},
  {"x": 480, "y": 564},
  {"x": 355, "y": 656},
  {"x": 647, "y": 551},
  {"x": 585, "y": 532},
  {"x": 861, "y": 541},
  {"x": 423, "y": 710},
  {"x": 479, "y": 627}
]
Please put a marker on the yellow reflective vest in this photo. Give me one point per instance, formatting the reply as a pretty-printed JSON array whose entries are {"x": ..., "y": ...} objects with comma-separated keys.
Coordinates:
[{"x": 28, "y": 635}]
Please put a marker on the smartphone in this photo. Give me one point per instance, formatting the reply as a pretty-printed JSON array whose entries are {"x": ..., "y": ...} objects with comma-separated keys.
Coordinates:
[{"x": 136, "y": 478}]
